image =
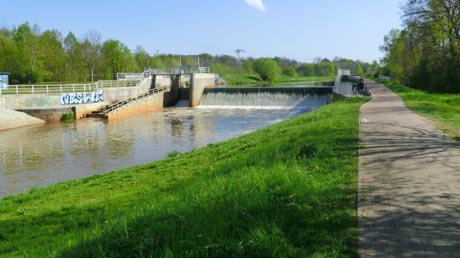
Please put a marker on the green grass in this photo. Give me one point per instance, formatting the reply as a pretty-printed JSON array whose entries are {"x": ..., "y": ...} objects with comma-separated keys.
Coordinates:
[
  {"x": 240, "y": 79},
  {"x": 315, "y": 80},
  {"x": 285, "y": 191},
  {"x": 442, "y": 109}
]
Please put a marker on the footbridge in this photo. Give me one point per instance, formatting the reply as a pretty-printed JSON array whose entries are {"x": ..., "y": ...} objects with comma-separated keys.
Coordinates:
[{"x": 131, "y": 92}]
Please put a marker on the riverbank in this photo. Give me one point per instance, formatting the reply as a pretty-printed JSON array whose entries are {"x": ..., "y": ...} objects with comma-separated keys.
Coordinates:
[
  {"x": 285, "y": 191},
  {"x": 283, "y": 81},
  {"x": 443, "y": 110},
  {"x": 10, "y": 119}
]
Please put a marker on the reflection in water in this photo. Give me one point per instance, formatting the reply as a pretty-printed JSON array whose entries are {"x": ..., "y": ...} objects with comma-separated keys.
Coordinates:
[{"x": 41, "y": 155}]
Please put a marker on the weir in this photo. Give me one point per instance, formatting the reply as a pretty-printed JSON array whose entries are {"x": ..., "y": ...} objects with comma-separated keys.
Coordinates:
[
  {"x": 264, "y": 97},
  {"x": 131, "y": 93},
  {"x": 49, "y": 101}
]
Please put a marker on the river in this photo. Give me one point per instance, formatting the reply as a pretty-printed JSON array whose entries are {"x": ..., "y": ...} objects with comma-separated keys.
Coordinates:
[{"x": 41, "y": 155}]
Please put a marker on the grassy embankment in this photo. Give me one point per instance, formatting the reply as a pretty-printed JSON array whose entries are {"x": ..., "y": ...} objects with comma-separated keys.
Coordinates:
[
  {"x": 442, "y": 109},
  {"x": 254, "y": 80},
  {"x": 285, "y": 191}
]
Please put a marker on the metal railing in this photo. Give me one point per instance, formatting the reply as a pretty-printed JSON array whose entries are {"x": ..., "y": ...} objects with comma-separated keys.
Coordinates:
[
  {"x": 132, "y": 76},
  {"x": 180, "y": 70},
  {"x": 118, "y": 83},
  {"x": 190, "y": 70},
  {"x": 156, "y": 71},
  {"x": 47, "y": 89},
  {"x": 176, "y": 71},
  {"x": 67, "y": 88},
  {"x": 119, "y": 104}
]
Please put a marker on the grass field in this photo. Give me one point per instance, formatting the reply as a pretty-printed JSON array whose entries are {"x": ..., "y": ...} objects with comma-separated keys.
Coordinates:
[
  {"x": 285, "y": 191},
  {"x": 442, "y": 109}
]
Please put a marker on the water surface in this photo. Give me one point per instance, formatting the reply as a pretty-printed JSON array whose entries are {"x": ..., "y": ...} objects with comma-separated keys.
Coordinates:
[{"x": 41, "y": 155}]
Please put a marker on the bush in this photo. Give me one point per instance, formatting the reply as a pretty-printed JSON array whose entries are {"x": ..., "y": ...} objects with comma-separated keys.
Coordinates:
[
  {"x": 290, "y": 71},
  {"x": 268, "y": 69},
  {"x": 68, "y": 117}
]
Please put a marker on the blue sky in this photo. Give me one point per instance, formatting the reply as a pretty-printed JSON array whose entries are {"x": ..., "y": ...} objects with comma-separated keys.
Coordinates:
[{"x": 297, "y": 29}]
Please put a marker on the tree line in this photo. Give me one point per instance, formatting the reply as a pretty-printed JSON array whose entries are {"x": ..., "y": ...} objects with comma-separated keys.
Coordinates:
[
  {"x": 32, "y": 56},
  {"x": 425, "y": 53}
]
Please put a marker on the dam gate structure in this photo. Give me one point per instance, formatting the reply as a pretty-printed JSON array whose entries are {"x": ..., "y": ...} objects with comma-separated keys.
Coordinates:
[{"x": 150, "y": 90}]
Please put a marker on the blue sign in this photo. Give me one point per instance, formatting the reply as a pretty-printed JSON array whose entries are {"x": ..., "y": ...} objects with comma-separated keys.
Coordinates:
[{"x": 3, "y": 81}]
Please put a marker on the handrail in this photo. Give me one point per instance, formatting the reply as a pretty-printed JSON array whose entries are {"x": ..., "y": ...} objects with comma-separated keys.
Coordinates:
[
  {"x": 180, "y": 70},
  {"x": 190, "y": 70},
  {"x": 117, "y": 83},
  {"x": 132, "y": 76},
  {"x": 117, "y": 105},
  {"x": 67, "y": 88}
]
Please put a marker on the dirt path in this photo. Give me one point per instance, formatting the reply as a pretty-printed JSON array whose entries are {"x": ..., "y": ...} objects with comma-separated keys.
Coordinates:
[{"x": 409, "y": 183}]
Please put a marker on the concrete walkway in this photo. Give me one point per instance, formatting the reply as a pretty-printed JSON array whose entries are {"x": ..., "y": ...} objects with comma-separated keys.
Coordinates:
[{"x": 409, "y": 183}]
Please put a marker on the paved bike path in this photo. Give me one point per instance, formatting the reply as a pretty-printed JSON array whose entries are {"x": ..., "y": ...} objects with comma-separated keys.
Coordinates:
[{"x": 409, "y": 182}]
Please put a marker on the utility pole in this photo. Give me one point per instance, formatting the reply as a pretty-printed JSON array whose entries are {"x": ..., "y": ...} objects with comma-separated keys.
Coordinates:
[
  {"x": 158, "y": 59},
  {"x": 238, "y": 51}
]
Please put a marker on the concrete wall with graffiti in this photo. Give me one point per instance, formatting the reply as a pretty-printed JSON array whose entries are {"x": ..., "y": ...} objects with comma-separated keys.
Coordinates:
[{"x": 107, "y": 96}]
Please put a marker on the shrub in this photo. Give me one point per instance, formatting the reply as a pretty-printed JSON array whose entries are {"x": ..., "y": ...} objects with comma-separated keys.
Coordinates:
[
  {"x": 268, "y": 69},
  {"x": 68, "y": 117}
]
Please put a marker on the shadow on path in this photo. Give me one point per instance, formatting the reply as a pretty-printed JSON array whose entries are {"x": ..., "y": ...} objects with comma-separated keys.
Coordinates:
[{"x": 409, "y": 199}]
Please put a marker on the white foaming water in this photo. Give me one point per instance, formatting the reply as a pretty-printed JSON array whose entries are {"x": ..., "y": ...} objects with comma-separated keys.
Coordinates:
[{"x": 263, "y": 100}]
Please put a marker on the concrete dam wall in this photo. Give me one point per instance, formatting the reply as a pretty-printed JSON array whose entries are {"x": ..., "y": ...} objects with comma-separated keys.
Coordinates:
[
  {"x": 294, "y": 97},
  {"x": 52, "y": 103}
]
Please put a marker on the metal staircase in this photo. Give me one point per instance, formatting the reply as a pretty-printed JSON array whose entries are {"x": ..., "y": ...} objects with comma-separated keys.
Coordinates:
[{"x": 123, "y": 103}]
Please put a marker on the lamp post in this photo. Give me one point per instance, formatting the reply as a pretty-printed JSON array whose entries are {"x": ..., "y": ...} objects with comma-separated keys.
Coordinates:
[{"x": 158, "y": 59}]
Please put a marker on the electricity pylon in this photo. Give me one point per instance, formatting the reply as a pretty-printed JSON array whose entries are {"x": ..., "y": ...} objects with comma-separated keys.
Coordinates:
[{"x": 238, "y": 51}]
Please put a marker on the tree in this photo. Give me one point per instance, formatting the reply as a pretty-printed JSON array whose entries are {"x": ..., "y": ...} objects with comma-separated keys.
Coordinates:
[
  {"x": 52, "y": 55},
  {"x": 306, "y": 69},
  {"x": 373, "y": 69},
  {"x": 425, "y": 53},
  {"x": 91, "y": 51},
  {"x": 221, "y": 69},
  {"x": 205, "y": 59},
  {"x": 10, "y": 60},
  {"x": 359, "y": 69},
  {"x": 117, "y": 58},
  {"x": 268, "y": 69},
  {"x": 248, "y": 66},
  {"x": 290, "y": 71},
  {"x": 30, "y": 66},
  {"x": 142, "y": 58},
  {"x": 74, "y": 64}
]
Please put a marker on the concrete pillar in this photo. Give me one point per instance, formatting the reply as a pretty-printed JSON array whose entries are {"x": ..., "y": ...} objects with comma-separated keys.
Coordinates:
[{"x": 198, "y": 82}]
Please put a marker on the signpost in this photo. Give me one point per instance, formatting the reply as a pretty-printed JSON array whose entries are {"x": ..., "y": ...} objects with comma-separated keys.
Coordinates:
[{"x": 3, "y": 80}]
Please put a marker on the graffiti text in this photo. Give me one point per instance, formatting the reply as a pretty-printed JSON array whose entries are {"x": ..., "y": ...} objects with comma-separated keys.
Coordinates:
[{"x": 82, "y": 98}]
